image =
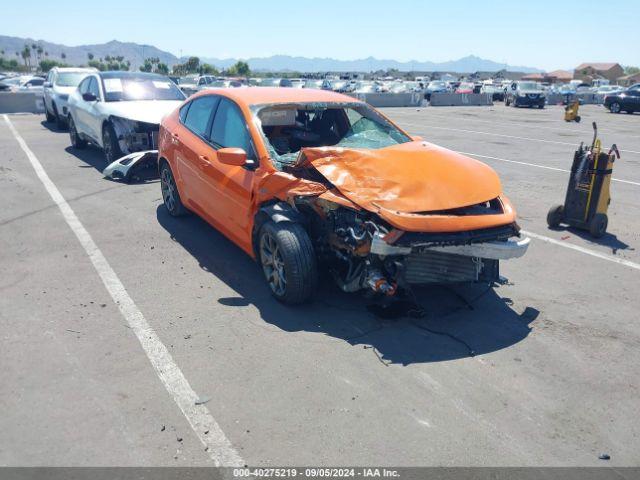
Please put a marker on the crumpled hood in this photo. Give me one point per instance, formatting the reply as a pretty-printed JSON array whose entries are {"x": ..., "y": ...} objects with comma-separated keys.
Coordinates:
[
  {"x": 148, "y": 111},
  {"x": 410, "y": 177}
]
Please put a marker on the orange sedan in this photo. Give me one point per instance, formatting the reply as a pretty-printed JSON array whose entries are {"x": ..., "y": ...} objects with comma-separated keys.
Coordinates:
[{"x": 303, "y": 179}]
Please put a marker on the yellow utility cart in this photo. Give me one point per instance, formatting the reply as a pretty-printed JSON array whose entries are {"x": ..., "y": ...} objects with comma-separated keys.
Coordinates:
[
  {"x": 571, "y": 112},
  {"x": 588, "y": 196}
]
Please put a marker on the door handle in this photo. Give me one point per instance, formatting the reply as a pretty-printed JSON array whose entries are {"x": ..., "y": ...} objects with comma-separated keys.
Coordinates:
[
  {"x": 204, "y": 162},
  {"x": 175, "y": 138}
]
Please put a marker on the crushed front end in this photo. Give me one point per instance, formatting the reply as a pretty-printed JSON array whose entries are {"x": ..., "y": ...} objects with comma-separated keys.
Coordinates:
[
  {"x": 364, "y": 251},
  {"x": 134, "y": 136}
]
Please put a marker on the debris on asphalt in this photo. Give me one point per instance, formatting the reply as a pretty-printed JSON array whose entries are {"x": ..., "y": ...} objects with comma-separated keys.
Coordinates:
[
  {"x": 163, "y": 428},
  {"x": 73, "y": 331},
  {"x": 604, "y": 456},
  {"x": 179, "y": 439},
  {"x": 202, "y": 400}
]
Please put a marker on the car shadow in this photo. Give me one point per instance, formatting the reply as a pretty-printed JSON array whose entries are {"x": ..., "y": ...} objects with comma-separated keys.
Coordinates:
[
  {"x": 458, "y": 322},
  {"x": 52, "y": 127},
  {"x": 607, "y": 240},
  {"x": 92, "y": 156}
]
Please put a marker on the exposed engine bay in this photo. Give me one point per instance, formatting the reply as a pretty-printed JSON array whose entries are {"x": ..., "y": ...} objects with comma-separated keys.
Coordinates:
[
  {"x": 385, "y": 212},
  {"x": 135, "y": 136},
  {"x": 364, "y": 252}
]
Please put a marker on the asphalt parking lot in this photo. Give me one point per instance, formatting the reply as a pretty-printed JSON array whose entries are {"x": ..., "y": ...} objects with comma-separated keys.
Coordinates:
[{"x": 540, "y": 371}]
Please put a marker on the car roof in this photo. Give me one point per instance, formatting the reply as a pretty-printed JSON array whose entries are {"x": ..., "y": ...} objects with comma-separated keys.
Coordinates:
[
  {"x": 269, "y": 95},
  {"x": 75, "y": 69}
]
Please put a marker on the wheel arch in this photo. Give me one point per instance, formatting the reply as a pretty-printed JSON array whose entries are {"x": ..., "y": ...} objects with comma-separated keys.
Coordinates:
[{"x": 275, "y": 211}]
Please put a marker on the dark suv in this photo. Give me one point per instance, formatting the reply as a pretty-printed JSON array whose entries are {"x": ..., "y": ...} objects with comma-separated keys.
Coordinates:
[
  {"x": 524, "y": 94},
  {"x": 627, "y": 101}
]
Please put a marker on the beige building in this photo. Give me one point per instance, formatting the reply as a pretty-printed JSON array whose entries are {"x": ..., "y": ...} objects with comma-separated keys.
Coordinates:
[
  {"x": 588, "y": 72},
  {"x": 629, "y": 80}
]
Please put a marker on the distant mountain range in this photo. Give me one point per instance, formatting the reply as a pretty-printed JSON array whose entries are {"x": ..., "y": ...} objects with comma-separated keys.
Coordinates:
[
  {"x": 136, "y": 53},
  {"x": 467, "y": 64},
  {"x": 133, "y": 52}
]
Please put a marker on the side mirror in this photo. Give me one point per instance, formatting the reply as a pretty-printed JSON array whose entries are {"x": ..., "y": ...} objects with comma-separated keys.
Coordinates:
[
  {"x": 232, "y": 156},
  {"x": 417, "y": 138},
  {"x": 89, "y": 97},
  {"x": 47, "y": 85}
]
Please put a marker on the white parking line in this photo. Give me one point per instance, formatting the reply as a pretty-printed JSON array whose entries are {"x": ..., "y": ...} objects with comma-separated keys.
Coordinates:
[
  {"x": 603, "y": 256},
  {"x": 477, "y": 132},
  {"x": 218, "y": 446},
  {"x": 538, "y": 166}
]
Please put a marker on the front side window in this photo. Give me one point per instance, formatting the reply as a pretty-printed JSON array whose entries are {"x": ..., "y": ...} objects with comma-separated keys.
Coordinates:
[
  {"x": 198, "y": 115},
  {"x": 288, "y": 128},
  {"x": 93, "y": 87},
  {"x": 84, "y": 85},
  {"x": 229, "y": 129}
]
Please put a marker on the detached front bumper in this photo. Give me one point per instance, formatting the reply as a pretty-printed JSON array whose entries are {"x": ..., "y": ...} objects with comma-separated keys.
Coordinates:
[{"x": 130, "y": 167}]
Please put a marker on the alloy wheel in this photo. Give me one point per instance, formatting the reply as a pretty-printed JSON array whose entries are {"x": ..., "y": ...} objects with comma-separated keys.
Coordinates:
[
  {"x": 273, "y": 264},
  {"x": 168, "y": 187},
  {"x": 107, "y": 146}
]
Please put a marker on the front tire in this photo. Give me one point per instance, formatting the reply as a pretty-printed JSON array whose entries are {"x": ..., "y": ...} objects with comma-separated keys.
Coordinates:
[
  {"x": 74, "y": 136},
  {"x": 60, "y": 123},
  {"x": 598, "y": 225},
  {"x": 614, "y": 107},
  {"x": 49, "y": 116},
  {"x": 110, "y": 144},
  {"x": 288, "y": 261},
  {"x": 170, "y": 194}
]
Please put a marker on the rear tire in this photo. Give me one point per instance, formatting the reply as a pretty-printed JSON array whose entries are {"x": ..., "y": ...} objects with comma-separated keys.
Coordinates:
[
  {"x": 555, "y": 216},
  {"x": 598, "y": 225},
  {"x": 288, "y": 261},
  {"x": 74, "y": 136},
  {"x": 170, "y": 195}
]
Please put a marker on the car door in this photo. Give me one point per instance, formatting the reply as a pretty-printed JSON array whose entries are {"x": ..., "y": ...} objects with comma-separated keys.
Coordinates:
[
  {"x": 229, "y": 187},
  {"x": 80, "y": 107},
  {"x": 634, "y": 100},
  {"x": 191, "y": 145},
  {"x": 48, "y": 90},
  {"x": 94, "y": 110}
]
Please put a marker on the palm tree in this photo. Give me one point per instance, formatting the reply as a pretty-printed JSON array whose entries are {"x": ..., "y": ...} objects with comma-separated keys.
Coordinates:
[
  {"x": 63, "y": 55},
  {"x": 26, "y": 56},
  {"x": 90, "y": 56}
]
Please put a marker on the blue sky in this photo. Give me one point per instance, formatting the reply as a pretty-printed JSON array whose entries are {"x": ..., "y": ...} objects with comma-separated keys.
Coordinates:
[{"x": 537, "y": 33}]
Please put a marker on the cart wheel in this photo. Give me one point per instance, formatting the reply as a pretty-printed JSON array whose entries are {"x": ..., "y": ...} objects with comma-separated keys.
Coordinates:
[
  {"x": 555, "y": 215},
  {"x": 598, "y": 225},
  {"x": 578, "y": 119}
]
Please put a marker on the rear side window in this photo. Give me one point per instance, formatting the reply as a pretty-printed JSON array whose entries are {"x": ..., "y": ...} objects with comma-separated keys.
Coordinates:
[
  {"x": 198, "y": 114},
  {"x": 230, "y": 130}
]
